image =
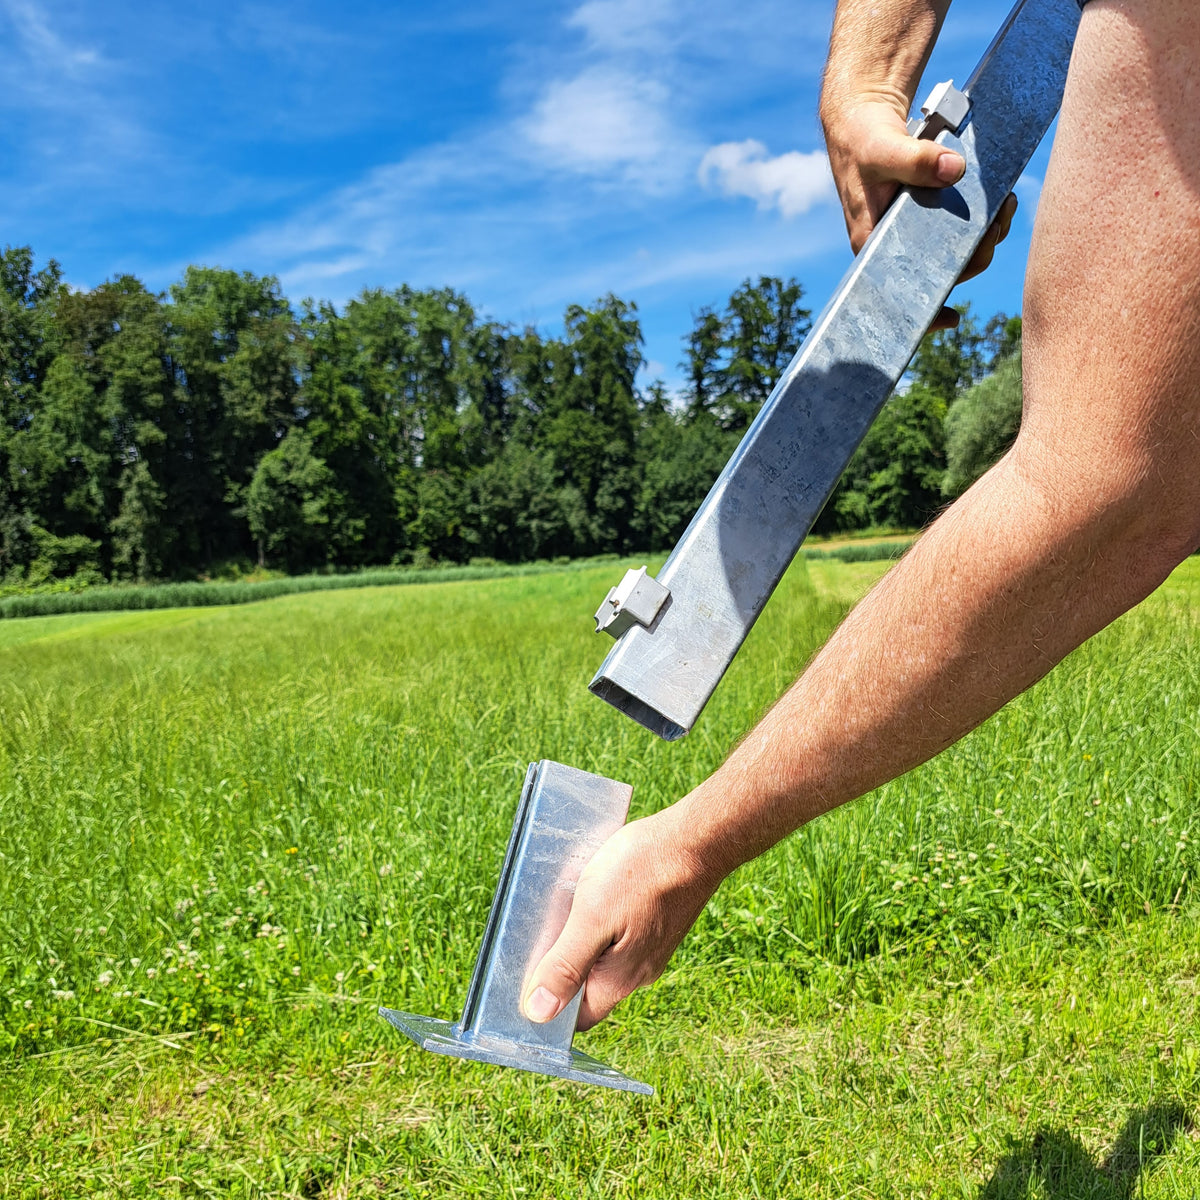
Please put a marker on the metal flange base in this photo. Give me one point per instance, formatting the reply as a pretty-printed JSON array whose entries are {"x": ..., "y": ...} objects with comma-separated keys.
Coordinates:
[{"x": 446, "y": 1037}]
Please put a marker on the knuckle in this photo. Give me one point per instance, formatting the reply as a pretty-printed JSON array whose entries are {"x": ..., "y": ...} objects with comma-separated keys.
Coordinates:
[{"x": 564, "y": 969}]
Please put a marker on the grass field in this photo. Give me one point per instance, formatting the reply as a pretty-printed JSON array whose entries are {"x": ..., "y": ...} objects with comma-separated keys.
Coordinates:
[{"x": 228, "y": 834}]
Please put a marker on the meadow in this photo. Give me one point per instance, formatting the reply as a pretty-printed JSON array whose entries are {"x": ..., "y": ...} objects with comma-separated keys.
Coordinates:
[{"x": 228, "y": 834}]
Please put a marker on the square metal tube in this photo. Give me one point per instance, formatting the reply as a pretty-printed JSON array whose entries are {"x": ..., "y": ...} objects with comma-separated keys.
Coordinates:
[{"x": 749, "y": 528}]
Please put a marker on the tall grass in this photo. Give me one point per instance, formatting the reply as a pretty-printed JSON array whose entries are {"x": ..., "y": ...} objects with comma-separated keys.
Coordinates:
[
  {"x": 212, "y": 820},
  {"x": 227, "y": 834}
]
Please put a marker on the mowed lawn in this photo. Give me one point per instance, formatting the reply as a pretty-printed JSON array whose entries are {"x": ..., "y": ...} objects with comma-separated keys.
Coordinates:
[{"x": 228, "y": 835}]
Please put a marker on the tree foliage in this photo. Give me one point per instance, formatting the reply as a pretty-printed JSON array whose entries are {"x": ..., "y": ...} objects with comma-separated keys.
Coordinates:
[
  {"x": 982, "y": 426},
  {"x": 148, "y": 436}
]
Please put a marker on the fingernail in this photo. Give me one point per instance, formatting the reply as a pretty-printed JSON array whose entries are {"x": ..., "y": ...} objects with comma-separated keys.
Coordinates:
[
  {"x": 950, "y": 168},
  {"x": 541, "y": 1005}
]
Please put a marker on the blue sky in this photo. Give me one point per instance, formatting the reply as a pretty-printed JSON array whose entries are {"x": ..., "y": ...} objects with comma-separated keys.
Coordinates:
[{"x": 531, "y": 154}]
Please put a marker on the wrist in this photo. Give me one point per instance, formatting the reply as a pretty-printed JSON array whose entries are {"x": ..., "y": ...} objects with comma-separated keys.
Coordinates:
[
  {"x": 841, "y": 109},
  {"x": 703, "y": 827}
]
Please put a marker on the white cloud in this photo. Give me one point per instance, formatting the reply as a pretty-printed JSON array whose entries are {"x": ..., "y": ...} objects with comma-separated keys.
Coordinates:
[
  {"x": 622, "y": 25},
  {"x": 604, "y": 119},
  {"x": 1029, "y": 193},
  {"x": 45, "y": 50},
  {"x": 792, "y": 182}
]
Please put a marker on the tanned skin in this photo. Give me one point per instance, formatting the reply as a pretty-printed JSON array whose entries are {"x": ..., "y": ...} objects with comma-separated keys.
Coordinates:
[{"x": 1096, "y": 502}]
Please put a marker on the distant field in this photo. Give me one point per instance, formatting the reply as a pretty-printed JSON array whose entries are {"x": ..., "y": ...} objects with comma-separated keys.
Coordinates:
[{"x": 228, "y": 834}]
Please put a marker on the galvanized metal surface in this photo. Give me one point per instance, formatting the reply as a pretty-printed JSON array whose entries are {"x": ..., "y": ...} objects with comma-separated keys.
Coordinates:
[
  {"x": 749, "y": 528},
  {"x": 563, "y": 817}
]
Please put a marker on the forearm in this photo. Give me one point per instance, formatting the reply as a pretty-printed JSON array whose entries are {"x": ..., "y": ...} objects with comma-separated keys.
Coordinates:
[
  {"x": 1096, "y": 502},
  {"x": 1001, "y": 588},
  {"x": 879, "y": 48}
]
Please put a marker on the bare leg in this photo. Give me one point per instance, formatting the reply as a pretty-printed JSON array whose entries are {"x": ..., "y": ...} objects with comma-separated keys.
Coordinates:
[{"x": 1094, "y": 505}]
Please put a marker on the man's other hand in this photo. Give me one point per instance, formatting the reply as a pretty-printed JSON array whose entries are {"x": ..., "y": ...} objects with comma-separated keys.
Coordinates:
[
  {"x": 872, "y": 155},
  {"x": 634, "y": 902}
]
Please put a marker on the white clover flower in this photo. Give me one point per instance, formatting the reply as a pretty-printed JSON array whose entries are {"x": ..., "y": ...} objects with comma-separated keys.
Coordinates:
[
  {"x": 990, "y": 846},
  {"x": 64, "y": 994},
  {"x": 104, "y": 978},
  {"x": 28, "y": 1004},
  {"x": 897, "y": 885},
  {"x": 1039, "y": 860},
  {"x": 151, "y": 972},
  {"x": 946, "y": 885},
  {"x": 340, "y": 976},
  {"x": 172, "y": 970},
  {"x": 295, "y": 970},
  {"x": 135, "y": 962}
]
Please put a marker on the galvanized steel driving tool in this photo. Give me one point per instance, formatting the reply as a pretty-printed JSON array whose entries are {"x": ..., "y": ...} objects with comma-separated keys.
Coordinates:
[
  {"x": 678, "y": 633},
  {"x": 563, "y": 818}
]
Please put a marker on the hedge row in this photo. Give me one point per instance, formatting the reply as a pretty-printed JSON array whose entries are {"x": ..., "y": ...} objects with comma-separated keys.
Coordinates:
[{"x": 199, "y": 595}]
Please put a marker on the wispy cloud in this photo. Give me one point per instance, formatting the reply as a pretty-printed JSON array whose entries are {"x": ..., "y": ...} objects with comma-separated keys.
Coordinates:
[
  {"x": 621, "y": 26},
  {"x": 44, "y": 50},
  {"x": 1029, "y": 193},
  {"x": 605, "y": 122},
  {"x": 791, "y": 182}
]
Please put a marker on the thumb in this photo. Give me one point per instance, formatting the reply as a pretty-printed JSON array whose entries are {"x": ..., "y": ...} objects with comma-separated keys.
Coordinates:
[
  {"x": 895, "y": 156},
  {"x": 566, "y": 965}
]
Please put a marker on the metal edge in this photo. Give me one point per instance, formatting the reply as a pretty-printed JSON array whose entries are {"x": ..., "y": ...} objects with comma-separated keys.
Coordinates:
[
  {"x": 445, "y": 1037},
  {"x": 500, "y": 896}
]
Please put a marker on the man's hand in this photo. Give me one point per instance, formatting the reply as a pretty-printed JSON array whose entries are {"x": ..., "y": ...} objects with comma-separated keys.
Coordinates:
[
  {"x": 634, "y": 902},
  {"x": 872, "y": 155},
  {"x": 876, "y": 59}
]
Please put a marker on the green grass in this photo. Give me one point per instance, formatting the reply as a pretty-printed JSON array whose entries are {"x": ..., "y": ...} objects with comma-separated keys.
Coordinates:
[{"x": 228, "y": 834}]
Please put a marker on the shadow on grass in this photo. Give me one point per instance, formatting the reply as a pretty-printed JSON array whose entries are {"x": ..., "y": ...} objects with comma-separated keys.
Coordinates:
[{"x": 1066, "y": 1171}]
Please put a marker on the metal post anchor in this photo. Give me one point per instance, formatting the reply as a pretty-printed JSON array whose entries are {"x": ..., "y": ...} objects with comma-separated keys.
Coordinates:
[
  {"x": 719, "y": 577},
  {"x": 563, "y": 817}
]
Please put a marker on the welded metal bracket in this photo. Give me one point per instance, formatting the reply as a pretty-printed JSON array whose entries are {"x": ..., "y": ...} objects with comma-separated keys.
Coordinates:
[
  {"x": 563, "y": 817},
  {"x": 637, "y": 598},
  {"x": 946, "y": 109},
  {"x": 749, "y": 528}
]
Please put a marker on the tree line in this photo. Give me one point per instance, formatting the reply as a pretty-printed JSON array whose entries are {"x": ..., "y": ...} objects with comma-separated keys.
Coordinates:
[{"x": 158, "y": 436}]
